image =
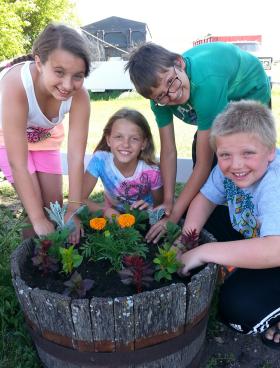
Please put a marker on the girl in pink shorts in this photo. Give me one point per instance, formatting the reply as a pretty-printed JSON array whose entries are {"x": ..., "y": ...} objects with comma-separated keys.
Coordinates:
[
  {"x": 38, "y": 161},
  {"x": 36, "y": 91}
]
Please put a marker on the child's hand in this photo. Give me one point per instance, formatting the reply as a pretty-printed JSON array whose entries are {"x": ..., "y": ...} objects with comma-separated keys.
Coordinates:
[
  {"x": 141, "y": 205},
  {"x": 157, "y": 231},
  {"x": 108, "y": 212},
  {"x": 43, "y": 227},
  {"x": 190, "y": 259},
  {"x": 74, "y": 237}
]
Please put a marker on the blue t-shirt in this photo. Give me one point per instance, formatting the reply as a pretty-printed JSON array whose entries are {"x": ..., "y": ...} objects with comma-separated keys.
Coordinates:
[
  {"x": 254, "y": 211},
  {"x": 120, "y": 190}
]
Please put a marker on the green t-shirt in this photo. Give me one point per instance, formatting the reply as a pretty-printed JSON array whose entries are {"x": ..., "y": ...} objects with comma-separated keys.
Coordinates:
[{"x": 219, "y": 73}]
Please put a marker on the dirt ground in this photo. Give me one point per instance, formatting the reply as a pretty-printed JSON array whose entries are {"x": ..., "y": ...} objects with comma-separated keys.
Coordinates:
[{"x": 229, "y": 349}]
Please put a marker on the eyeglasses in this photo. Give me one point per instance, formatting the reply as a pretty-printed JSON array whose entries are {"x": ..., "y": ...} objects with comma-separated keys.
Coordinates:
[{"x": 174, "y": 86}]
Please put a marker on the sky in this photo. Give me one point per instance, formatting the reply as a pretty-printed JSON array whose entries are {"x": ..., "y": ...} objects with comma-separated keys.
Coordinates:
[{"x": 176, "y": 24}]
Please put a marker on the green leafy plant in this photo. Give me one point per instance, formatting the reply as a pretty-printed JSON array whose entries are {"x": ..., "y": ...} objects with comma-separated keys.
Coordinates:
[
  {"x": 70, "y": 258},
  {"x": 166, "y": 262},
  {"x": 56, "y": 214},
  {"x": 166, "y": 259},
  {"x": 16, "y": 348},
  {"x": 112, "y": 239},
  {"x": 173, "y": 231},
  {"x": 77, "y": 286}
]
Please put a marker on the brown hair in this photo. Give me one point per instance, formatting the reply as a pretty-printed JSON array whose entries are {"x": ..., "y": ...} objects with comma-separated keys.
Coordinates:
[
  {"x": 17, "y": 60},
  {"x": 145, "y": 63},
  {"x": 58, "y": 36},
  {"x": 135, "y": 117}
]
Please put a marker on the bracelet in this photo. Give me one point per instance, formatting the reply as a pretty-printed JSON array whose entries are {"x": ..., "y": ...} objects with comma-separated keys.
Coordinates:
[{"x": 77, "y": 202}]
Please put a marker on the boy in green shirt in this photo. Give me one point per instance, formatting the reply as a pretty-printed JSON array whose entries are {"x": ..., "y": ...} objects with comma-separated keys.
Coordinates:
[{"x": 195, "y": 87}]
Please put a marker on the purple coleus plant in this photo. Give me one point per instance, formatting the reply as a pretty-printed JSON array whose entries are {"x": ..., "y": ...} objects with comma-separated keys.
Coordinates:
[
  {"x": 136, "y": 271},
  {"x": 42, "y": 259},
  {"x": 76, "y": 286}
]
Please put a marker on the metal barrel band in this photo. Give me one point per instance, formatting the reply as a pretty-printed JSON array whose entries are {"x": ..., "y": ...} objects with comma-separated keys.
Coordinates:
[
  {"x": 117, "y": 359},
  {"x": 109, "y": 346}
]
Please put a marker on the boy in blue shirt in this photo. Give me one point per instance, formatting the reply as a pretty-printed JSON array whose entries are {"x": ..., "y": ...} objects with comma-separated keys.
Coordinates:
[{"x": 247, "y": 178}]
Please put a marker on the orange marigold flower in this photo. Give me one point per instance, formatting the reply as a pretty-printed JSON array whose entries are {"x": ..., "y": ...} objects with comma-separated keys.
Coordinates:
[
  {"x": 126, "y": 220},
  {"x": 97, "y": 223}
]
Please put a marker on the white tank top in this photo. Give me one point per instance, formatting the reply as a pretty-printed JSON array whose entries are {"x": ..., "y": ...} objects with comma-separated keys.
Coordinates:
[{"x": 38, "y": 125}]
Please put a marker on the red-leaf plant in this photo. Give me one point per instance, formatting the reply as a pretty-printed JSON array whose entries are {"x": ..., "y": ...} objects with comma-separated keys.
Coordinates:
[
  {"x": 42, "y": 259},
  {"x": 137, "y": 272},
  {"x": 189, "y": 240}
]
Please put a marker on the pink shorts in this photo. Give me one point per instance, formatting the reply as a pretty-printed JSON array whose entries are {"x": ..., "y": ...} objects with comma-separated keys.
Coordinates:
[{"x": 42, "y": 161}]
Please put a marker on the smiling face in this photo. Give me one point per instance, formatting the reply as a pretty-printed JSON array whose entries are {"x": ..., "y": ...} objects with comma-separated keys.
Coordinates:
[
  {"x": 62, "y": 74},
  {"x": 126, "y": 142},
  {"x": 173, "y": 87},
  {"x": 243, "y": 158}
]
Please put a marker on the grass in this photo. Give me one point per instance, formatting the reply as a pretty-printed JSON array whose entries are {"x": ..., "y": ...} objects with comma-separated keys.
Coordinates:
[
  {"x": 16, "y": 349},
  {"x": 101, "y": 110},
  {"x": 220, "y": 361}
]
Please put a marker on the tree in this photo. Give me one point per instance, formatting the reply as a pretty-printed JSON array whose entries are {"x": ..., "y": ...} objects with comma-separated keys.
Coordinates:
[
  {"x": 22, "y": 20},
  {"x": 44, "y": 12},
  {"x": 11, "y": 27}
]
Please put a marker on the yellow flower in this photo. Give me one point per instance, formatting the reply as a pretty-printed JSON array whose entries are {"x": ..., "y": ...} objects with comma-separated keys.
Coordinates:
[
  {"x": 126, "y": 220},
  {"x": 97, "y": 223}
]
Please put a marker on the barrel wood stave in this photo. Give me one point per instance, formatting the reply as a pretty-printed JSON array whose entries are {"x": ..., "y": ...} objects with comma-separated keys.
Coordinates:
[{"x": 144, "y": 322}]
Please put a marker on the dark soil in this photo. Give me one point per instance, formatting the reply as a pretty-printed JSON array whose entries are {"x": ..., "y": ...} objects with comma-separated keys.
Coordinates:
[{"x": 107, "y": 282}]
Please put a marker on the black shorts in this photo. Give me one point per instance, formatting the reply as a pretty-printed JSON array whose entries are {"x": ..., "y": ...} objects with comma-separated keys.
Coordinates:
[{"x": 249, "y": 300}]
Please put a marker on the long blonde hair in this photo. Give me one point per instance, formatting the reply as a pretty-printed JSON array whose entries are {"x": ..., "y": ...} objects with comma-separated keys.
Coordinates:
[{"x": 135, "y": 117}]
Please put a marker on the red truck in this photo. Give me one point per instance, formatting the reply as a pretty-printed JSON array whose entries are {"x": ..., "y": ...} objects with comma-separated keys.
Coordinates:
[{"x": 250, "y": 43}]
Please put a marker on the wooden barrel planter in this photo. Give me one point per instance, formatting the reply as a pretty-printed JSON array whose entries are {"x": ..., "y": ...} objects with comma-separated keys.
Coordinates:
[{"x": 160, "y": 328}]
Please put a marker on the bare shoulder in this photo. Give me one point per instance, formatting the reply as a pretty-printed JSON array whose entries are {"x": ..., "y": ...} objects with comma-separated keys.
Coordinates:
[
  {"x": 81, "y": 96},
  {"x": 11, "y": 86}
]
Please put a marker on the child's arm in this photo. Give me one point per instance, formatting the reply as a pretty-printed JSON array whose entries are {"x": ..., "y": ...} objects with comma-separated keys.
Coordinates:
[
  {"x": 256, "y": 253},
  {"x": 201, "y": 171},
  {"x": 14, "y": 118},
  {"x": 168, "y": 157},
  {"x": 157, "y": 195},
  {"x": 89, "y": 184},
  {"x": 198, "y": 213},
  {"x": 77, "y": 139}
]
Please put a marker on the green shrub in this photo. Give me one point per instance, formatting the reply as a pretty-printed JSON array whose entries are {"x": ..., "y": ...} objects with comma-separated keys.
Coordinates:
[{"x": 16, "y": 349}]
